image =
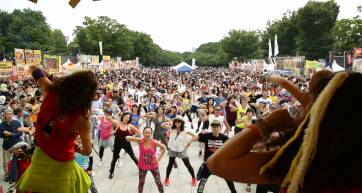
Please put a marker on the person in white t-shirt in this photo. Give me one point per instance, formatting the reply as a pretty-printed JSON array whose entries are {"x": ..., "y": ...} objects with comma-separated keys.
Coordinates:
[
  {"x": 177, "y": 146},
  {"x": 225, "y": 127}
]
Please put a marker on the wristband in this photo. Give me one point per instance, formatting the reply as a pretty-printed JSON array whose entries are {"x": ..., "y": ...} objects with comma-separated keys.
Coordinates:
[{"x": 37, "y": 74}]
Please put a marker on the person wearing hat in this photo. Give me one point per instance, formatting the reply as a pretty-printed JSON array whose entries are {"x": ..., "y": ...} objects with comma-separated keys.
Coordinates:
[
  {"x": 213, "y": 141},
  {"x": 177, "y": 146}
]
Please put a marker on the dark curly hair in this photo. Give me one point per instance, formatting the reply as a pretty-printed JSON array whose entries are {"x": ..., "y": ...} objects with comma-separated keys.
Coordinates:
[{"x": 75, "y": 92}]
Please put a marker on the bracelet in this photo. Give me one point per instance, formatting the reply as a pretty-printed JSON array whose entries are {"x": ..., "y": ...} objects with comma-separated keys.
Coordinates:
[{"x": 37, "y": 74}]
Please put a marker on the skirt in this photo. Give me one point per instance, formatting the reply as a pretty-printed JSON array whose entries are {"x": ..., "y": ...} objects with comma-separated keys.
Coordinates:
[
  {"x": 51, "y": 176},
  {"x": 106, "y": 142},
  {"x": 183, "y": 154}
]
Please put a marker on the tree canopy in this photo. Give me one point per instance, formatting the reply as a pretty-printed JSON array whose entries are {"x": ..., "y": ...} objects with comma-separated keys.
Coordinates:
[{"x": 312, "y": 31}]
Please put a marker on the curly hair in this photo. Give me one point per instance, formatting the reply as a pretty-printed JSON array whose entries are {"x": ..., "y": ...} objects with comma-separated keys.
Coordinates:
[{"x": 75, "y": 92}]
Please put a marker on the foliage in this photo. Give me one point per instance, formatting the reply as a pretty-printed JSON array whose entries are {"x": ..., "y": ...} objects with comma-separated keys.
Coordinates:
[
  {"x": 287, "y": 32},
  {"x": 242, "y": 44},
  {"x": 315, "y": 22},
  {"x": 28, "y": 29},
  {"x": 116, "y": 38}
]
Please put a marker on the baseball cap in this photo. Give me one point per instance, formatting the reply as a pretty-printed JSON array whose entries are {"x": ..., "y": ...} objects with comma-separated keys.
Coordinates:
[{"x": 215, "y": 123}]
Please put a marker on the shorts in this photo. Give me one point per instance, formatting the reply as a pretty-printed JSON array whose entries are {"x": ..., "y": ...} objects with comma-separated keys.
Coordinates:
[
  {"x": 106, "y": 143},
  {"x": 183, "y": 154}
]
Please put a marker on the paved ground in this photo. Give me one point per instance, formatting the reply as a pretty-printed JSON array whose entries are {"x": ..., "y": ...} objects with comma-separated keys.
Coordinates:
[{"x": 126, "y": 178}]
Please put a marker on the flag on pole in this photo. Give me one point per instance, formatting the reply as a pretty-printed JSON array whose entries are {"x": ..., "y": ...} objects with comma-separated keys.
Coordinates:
[
  {"x": 276, "y": 48},
  {"x": 270, "y": 49},
  {"x": 100, "y": 48}
]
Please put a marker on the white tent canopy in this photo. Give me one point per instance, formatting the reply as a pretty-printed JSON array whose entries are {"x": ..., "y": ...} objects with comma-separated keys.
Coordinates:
[
  {"x": 184, "y": 67},
  {"x": 336, "y": 67}
]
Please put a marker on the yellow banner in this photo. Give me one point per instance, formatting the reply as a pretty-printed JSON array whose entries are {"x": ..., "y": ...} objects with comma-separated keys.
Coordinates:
[
  {"x": 106, "y": 60},
  {"x": 52, "y": 62},
  {"x": 6, "y": 65},
  {"x": 37, "y": 56},
  {"x": 311, "y": 64}
]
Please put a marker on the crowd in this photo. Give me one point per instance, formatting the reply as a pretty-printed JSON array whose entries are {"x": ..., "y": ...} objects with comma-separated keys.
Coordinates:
[{"x": 162, "y": 111}]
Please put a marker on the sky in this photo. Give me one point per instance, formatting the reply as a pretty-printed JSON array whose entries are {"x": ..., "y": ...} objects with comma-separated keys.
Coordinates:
[{"x": 176, "y": 25}]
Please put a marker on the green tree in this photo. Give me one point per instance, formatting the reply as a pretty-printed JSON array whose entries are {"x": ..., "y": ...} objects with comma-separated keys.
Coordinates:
[
  {"x": 348, "y": 34},
  {"x": 28, "y": 29},
  {"x": 208, "y": 54},
  {"x": 144, "y": 48},
  {"x": 287, "y": 33},
  {"x": 315, "y": 22},
  {"x": 59, "y": 42},
  {"x": 241, "y": 43},
  {"x": 115, "y": 37},
  {"x": 211, "y": 47},
  {"x": 168, "y": 58}
]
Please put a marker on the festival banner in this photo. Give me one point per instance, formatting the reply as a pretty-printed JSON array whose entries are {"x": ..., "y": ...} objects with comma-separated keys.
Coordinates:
[
  {"x": 37, "y": 56},
  {"x": 289, "y": 63},
  {"x": 107, "y": 61},
  {"x": 29, "y": 56},
  {"x": 94, "y": 60},
  {"x": 6, "y": 66},
  {"x": 85, "y": 59},
  {"x": 52, "y": 63},
  {"x": 19, "y": 56},
  {"x": 357, "y": 65}
]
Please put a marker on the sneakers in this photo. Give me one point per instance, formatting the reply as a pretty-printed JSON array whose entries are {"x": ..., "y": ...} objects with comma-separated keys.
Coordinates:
[
  {"x": 111, "y": 175},
  {"x": 100, "y": 163},
  {"x": 91, "y": 173},
  {"x": 194, "y": 182},
  {"x": 119, "y": 163},
  {"x": 167, "y": 181}
]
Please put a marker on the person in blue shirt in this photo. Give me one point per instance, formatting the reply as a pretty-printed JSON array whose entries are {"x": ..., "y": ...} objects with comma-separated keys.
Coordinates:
[
  {"x": 8, "y": 131},
  {"x": 219, "y": 99}
]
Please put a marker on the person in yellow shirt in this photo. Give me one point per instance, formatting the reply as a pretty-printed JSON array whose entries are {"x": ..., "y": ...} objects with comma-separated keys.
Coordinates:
[{"x": 240, "y": 112}]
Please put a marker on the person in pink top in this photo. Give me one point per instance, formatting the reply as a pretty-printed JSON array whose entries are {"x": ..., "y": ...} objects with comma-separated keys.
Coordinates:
[
  {"x": 148, "y": 160},
  {"x": 107, "y": 127}
]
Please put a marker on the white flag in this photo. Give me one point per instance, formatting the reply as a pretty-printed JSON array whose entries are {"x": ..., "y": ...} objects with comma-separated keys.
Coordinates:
[
  {"x": 100, "y": 48},
  {"x": 270, "y": 49},
  {"x": 276, "y": 48}
]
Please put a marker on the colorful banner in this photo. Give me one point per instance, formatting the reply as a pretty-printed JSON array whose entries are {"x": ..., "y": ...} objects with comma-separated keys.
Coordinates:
[
  {"x": 289, "y": 63},
  {"x": 107, "y": 60},
  {"x": 85, "y": 59},
  {"x": 29, "y": 56},
  {"x": 36, "y": 56},
  {"x": 19, "y": 56},
  {"x": 52, "y": 62},
  {"x": 95, "y": 60},
  {"x": 311, "y": 64},
  {"x": 6, "y": 66}
]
